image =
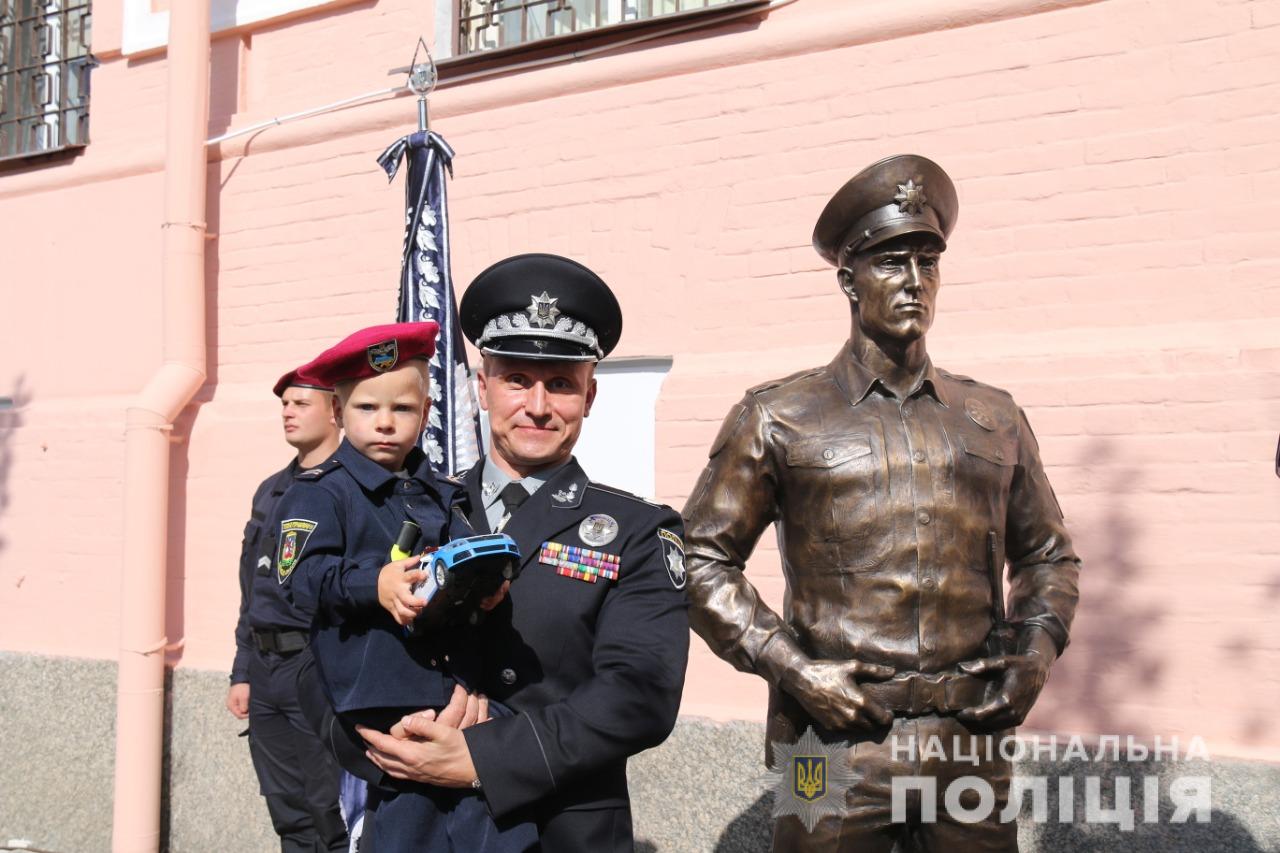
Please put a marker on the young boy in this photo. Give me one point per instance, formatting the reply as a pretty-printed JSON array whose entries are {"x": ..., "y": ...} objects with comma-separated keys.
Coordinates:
[{"x": 336, "y": 527}]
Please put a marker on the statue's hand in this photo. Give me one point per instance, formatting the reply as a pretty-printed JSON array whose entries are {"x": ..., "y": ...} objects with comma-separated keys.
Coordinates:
[
  {"x": 828, "y": 690},
  {"x": 1016, "y": 683}
]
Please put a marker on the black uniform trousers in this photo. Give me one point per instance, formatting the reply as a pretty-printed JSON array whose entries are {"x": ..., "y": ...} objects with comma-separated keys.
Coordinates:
[{"x": 297, "y": 775}]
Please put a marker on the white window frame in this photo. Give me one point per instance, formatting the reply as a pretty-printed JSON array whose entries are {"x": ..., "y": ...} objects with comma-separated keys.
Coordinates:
[{"x": 144, "y": 31}]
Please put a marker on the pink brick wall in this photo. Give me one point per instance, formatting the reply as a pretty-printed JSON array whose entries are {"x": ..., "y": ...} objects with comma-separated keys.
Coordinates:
[{"x": 1114, "y": 267}]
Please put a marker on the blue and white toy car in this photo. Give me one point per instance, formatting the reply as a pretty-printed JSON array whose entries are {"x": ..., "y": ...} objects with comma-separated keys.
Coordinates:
[{"x": 465, "y": 571}]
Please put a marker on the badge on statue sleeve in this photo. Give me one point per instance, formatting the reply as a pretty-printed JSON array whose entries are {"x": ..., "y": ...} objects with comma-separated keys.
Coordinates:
[
  {"x": 673, "y": 556},
  {"x": 294, "y": 533}
]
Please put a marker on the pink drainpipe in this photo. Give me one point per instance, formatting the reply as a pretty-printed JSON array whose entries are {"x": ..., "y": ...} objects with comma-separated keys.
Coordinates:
[{"x": 149, "y": 422}]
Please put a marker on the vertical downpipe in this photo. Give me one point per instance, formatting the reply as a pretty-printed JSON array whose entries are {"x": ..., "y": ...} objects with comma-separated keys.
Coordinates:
[{"x": 148, "y": 423}]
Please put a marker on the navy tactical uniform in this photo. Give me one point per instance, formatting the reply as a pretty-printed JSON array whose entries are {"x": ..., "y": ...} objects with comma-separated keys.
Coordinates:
[
  {"x": 296, "y": 775},
  {"x": 335, "y": 529},
  {"x": 594, "y": 669}
]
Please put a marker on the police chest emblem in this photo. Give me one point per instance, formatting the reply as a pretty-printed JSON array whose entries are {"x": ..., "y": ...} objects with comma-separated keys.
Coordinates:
[
  {"x": 294, "y": 533},
  {"x": 597, "y": 530},
  {"x": 980, "y": 413},
  {"x": 673, "y": 556},
  {"x": 382, "y": 357}
]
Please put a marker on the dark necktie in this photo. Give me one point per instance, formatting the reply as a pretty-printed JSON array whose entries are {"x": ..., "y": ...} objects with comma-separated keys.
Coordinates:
[{"x": 512, "y": 495}]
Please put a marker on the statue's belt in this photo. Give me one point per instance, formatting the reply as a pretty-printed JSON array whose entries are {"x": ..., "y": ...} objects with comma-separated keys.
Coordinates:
[{"x": 917, "y": 694}]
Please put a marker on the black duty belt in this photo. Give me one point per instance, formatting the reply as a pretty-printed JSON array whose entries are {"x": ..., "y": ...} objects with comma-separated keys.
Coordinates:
[
  {"x": 280, "y": 642},
  {"x": 917, "y": 694}
]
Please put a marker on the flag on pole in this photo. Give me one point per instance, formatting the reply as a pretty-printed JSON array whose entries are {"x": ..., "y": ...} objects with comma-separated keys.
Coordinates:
[{"x": 451, "y": 438}]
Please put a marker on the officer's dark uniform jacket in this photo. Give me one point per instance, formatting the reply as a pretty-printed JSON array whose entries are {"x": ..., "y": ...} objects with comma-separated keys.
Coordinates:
[
  {"x": 262, "y": 604},
  {"x": 593, "y": 670},
  {"x": 884, "y": 508},
  {"x": 343, "y": 517}
]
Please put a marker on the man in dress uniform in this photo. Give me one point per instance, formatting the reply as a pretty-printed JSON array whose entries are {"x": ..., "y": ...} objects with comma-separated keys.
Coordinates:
[
  {"x": 591, "y": 646},
  {"x": 297, "y": 776},
  {"x": 899, "y": 492}
]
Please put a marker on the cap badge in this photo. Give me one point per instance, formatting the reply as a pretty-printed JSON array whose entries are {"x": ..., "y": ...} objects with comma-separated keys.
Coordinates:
[
  {"x": 911, "y": 198},
  {"x": 542, "y": 310},
  {"x": 383, "y": 356},
  {"x": 597, "y": 530}
]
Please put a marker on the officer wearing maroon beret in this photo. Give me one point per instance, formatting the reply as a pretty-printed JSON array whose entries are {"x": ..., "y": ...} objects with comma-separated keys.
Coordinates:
[
  {"x": 591, "y": 646},
  {"x": 296, "y": 775},
  {"x": 375, "y": 661}
]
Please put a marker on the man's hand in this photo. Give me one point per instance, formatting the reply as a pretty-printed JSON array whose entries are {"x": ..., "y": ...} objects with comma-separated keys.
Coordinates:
[
  {"x": 394, "y": 584},
  {"x": 828, "y": 690},
  {"x": 238, "y": 701},
  {"x": 487, "y": 604},
  {"x": 433, "y": 753},
  {"x": 464, "y": 709},
  {"x": 1017, "y": 682}
]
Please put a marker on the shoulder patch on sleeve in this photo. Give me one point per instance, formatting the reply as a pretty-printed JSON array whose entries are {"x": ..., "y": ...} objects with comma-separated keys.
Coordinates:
[
  {"x": 319, "y": 471},
  {"x": 672, "y": 556},
  {"x": 294, "y": 533}
]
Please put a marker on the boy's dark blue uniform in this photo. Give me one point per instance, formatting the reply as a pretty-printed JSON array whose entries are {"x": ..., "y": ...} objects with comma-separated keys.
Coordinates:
[
  {"x": 594, "y": 670},
  {"x": 333, "y": 534},
  {"x": 297, "y": 776}
]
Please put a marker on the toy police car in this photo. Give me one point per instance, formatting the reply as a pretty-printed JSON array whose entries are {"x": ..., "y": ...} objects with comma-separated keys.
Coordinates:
[{"x": 465, "y": 571}]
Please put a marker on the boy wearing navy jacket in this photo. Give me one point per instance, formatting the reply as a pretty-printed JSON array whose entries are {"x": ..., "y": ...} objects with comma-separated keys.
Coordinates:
[{"x": 335, "y": 528}]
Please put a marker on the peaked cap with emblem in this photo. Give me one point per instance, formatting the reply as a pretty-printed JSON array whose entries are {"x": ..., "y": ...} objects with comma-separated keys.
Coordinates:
[
  {"x": 541, "y": 307},
  {"x": 903, "y": 194},
  {"x": 298, "y": 379},
  {"x": 372, "y": 351}
]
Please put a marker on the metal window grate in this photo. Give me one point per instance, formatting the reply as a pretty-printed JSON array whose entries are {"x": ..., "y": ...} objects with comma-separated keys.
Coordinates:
[
  {"x": 44, "y": 76},
  {"x": 485, "y": 25}
]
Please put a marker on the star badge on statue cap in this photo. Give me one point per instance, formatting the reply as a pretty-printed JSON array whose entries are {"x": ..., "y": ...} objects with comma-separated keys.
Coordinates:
[{"x": 896, "y": 196}]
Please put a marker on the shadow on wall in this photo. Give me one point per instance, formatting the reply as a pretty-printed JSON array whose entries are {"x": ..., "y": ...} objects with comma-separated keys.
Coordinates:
[
  {"x": 11, "y": 409},
  {"x": 1112, "y": 660}
]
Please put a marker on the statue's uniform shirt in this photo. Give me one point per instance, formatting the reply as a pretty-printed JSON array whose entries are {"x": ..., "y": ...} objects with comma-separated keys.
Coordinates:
[{"x": 884, "y": 508}]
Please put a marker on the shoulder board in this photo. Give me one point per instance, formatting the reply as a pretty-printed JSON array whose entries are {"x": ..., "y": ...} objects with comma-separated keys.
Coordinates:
[
  {"x": 786, "y": 380},
  {"x": 969, "y": 380},
  {"x": 318, "y": 471},
  {"x": 600, "y": 487}
]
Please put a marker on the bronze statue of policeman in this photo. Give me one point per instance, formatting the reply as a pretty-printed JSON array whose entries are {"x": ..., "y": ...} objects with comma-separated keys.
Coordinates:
[{"x": 901, "y": 493}]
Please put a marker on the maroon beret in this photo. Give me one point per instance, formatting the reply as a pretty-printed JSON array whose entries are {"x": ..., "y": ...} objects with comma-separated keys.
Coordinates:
[
  {"x": 298, "y": 379},
  {"x": 372, "y": 351}
]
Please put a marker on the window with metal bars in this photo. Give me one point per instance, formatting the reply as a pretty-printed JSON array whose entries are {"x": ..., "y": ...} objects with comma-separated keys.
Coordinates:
[
  {"x": 44, "y": 76},
  {"x": 491, "y": 25}
]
